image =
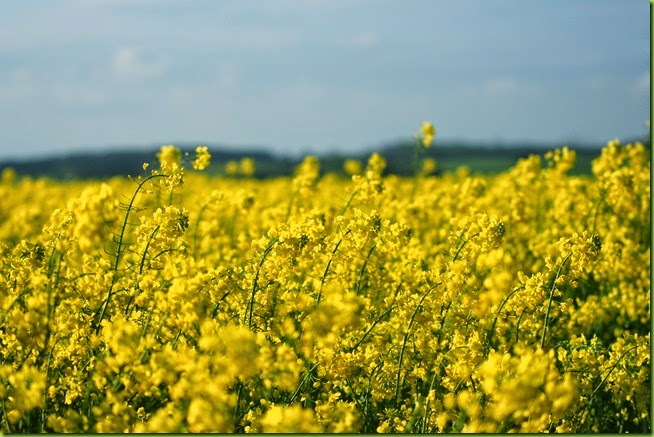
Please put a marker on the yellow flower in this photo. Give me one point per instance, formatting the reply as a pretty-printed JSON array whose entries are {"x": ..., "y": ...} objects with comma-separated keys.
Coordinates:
[
  {"x": 202, "y": 158},
  {"x": 352, "y": 166},
  {"x": 427, "y": 133},
  {"x": 291, "y": 419},
  {"x": 8, "y": 175},
  {"x": 306, "y": 174},
  {"x": 428, "y": 166},
  {"x": 231, "y": 168},
  {"x": 169, "y": 156},
  {"x": 518, "y": 302},
  {"x": 247, "y": 167}
]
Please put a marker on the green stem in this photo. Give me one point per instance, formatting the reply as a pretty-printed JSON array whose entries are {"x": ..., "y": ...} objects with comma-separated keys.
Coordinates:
[
  {"x": 4, "y": 416},
  {"x": 139, "y": 291},
  {"x": 296, "y": 392},
  {"x": 549, "y": 303},
  {"x": 147, "y": 246},
  {"x": 119, "y": 250},
  {"x": 426, "y": 415},
  {"x": 456, "y": 255},
  {"x": 517, "y": 326},
  {"x": 363, "y": 269},
  {"x": 443, "y": 315},
  {"x": 597, "y": 207},
  {"x": 238, "y": 401},
  {"x": 371, "y": 328},
  {"x": 417, "y": 151},
  {"x": 361, "y": 408},
  {"x": 611, "y": 370},
  {"x": 248, "y": 314},
  {"x": 347, "y": 204},
  {"x": 492, "y": 328},
  {"x": 329, "y": 263},
  {"x": 590, "y": 399},
  {"x": 195, "y": 231},
  {"x": 406, "y": 337}
]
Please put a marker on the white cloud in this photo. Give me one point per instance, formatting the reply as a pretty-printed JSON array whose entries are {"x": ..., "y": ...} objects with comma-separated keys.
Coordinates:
[{"x": 134, "y": 62}]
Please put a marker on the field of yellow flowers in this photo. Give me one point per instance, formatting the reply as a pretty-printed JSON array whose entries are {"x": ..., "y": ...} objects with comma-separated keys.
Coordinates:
[{"x": 176, "y": 302}]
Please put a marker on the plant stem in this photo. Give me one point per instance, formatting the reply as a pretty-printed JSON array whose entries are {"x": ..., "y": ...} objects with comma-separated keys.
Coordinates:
[
  {"x": 255, "y": 283},
  {"x": 492, "y": 328},
  {"x": 549, "y": 303},
  {"x": 363, "y": 269},
  {"x": 119, "y": 250},
  {"x": 406, "y": 336}
]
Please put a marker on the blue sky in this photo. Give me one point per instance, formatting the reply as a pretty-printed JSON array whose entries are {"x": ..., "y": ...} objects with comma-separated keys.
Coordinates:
[{"x": 304, "y": 76}]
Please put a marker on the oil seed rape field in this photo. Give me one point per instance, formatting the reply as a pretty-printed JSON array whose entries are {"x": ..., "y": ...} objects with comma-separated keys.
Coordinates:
[{"x": 174, "y": 301}]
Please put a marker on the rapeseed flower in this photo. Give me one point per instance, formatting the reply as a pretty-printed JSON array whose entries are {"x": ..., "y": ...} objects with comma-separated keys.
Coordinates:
[
  {"x": 517, "y": 302},
  {"x": 427, "y": 134},
  {"x": 202, "y": 158}
]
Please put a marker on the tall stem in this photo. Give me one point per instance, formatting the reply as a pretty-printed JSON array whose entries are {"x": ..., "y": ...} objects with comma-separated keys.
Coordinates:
[
  {"x": 406, "y": 337},
  {"x": 120, "y": 249},
  {"x": 549, "y": 303}
]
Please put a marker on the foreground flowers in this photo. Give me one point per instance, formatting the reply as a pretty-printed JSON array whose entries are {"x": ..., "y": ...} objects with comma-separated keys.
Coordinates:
[{"x": 176, "y": 302}]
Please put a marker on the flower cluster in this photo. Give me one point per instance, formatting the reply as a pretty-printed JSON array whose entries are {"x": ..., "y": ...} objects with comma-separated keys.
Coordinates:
[
  {"x": 517, "y": 302},
  {"x": 427, "y": 133}
]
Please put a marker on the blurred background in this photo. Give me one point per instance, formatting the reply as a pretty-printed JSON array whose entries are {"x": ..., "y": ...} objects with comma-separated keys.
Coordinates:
[{"x": 283, "y": 78}]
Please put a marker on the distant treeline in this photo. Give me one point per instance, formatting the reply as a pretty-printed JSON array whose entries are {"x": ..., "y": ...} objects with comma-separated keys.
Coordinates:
[{"x": 400, "y": 159}]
